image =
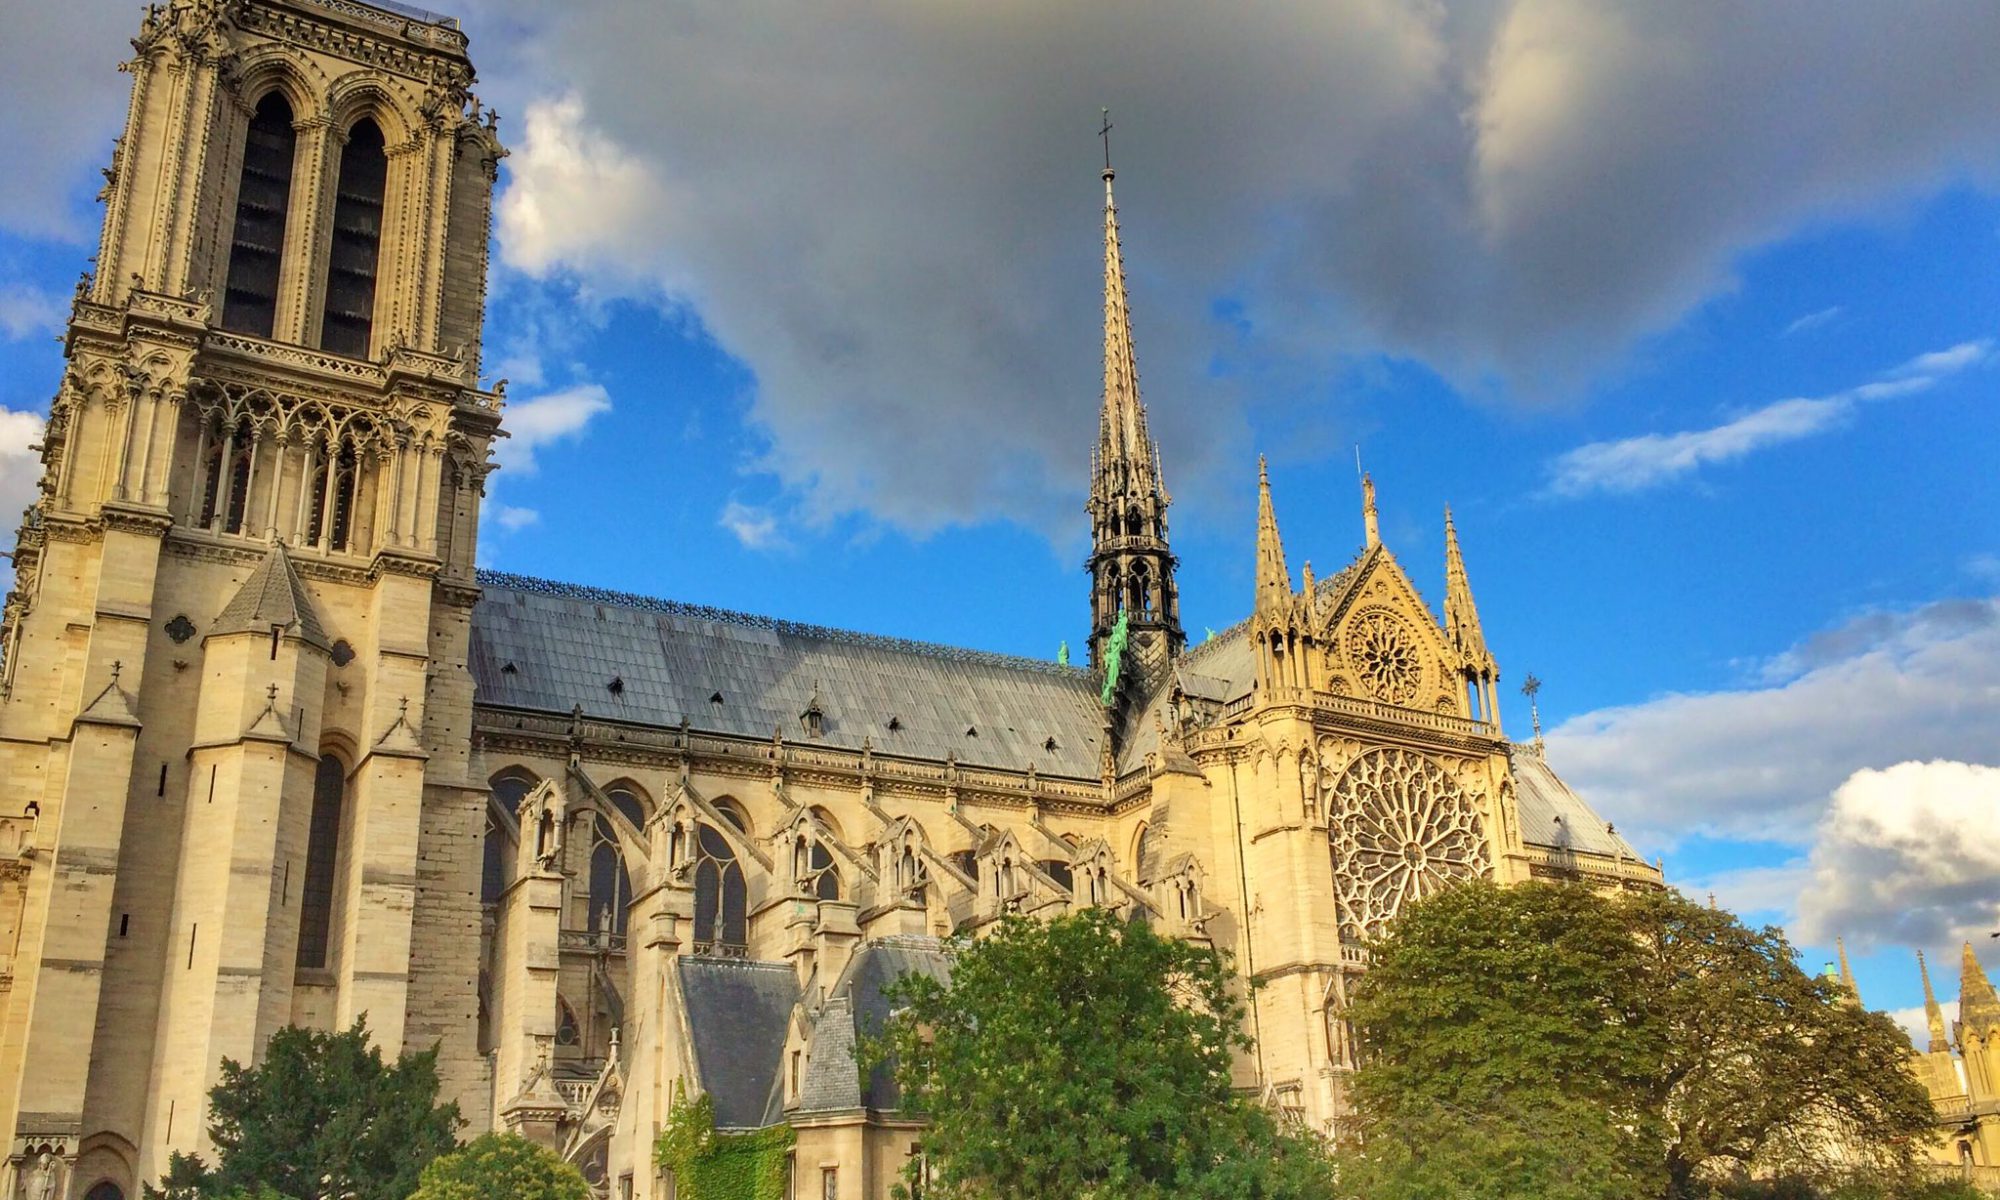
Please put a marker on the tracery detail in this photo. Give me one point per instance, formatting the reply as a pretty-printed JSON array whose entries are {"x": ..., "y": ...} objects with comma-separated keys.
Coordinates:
[
  {"x": 1402, "y": 829},
  {"x": 1385, "y": 656}
]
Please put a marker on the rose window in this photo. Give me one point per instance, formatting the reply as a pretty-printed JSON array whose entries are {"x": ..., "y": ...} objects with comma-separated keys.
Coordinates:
[
  {"x": 1402, "y": 829},
  {"x": 1385, "y": 656}
]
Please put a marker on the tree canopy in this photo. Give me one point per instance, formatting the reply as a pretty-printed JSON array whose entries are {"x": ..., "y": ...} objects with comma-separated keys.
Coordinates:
[
  {"x": 501, "y": 1166},
  {"x": 322, "y": 1115},
  {"x": 1087, "y": 1057},
  {"x": 1551, "y": 1041}
]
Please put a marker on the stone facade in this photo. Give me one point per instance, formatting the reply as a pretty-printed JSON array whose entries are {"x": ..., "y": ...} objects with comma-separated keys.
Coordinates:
[
  {"x": 1960, "y": 1067},
  {"x": 276, "y": 753}
]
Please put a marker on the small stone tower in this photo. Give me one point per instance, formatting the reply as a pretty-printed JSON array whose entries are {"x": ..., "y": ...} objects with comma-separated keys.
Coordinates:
[
  {"x": 234, "y": 710},
  {"x": 1131, "y": 567}
]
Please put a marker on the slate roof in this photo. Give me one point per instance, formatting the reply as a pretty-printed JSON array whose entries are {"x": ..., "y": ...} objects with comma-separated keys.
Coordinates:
[
  {"x": 1556, "y": 818},
  {"x": 737, "y": 1014},
  {"x": 273, "y": 595},
  {"x": 549, "y": 646},
  {"x": 856, "y": 1008}
]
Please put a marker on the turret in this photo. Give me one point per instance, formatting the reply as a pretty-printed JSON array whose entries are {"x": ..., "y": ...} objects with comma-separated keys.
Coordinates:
[
  {"x": 1279, "y": 626},
  {"x": 1461, "y": 623}
]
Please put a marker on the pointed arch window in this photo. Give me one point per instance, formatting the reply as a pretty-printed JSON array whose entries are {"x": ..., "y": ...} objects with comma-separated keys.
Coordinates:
[
  {"x": 263, "y": 196},
  {"x": 226, "y": 479},
  {"x": 610, "y": 882},
  {"x": 351, "y": 265},
  {"x": 322, "y": 856},
  {"x": 508, "y": 792},
  {"x": 721, "y": 900},
  {"x": 333, "y": 492}
]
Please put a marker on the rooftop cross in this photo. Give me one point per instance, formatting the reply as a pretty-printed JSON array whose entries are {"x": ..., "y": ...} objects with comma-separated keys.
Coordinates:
[{"x": 1105, "y": 133}]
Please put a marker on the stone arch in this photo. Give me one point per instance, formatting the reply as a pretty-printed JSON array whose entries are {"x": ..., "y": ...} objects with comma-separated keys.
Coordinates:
[
  {"x": 105, "y": 1160},
  {"x": 270, "y": 67},
  {"x": 361, "y": 94}
]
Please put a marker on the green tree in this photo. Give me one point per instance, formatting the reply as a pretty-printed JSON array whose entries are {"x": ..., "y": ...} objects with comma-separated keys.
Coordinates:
[
  {"x": 323, "y": 1115},
  {"x": 1087, "y": 1057},
  {"x": 1764, "y": 1064},
  {"x": 501, "y": 1166},
  {"x": 1657, "y": 1043}
]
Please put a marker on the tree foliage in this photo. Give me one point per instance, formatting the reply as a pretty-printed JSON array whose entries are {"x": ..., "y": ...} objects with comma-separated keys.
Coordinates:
[
  {"x": 1550, "y": 1041},
  {"x": 1087, "y": 1057},
  {"x": 501, "y": 1166},
  {"x": 323, "y": 1115}
]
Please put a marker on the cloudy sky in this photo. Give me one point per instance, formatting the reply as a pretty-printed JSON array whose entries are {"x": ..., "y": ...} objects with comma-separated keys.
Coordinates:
[{"x": 1691, "y": 311}]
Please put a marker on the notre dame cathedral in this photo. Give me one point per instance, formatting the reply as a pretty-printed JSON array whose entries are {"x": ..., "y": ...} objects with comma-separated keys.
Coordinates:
[{"x": 276, "y": 753}]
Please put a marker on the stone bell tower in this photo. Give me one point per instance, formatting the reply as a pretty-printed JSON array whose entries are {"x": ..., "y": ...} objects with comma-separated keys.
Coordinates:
[{"x": 234, "y": 704}]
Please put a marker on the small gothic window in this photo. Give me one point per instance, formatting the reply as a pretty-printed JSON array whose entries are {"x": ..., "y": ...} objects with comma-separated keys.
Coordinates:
[
  {"x": 226, "y": 478},
  {"x": 610, "y": 882},
  {"x": 257, "y": 246},
  {"x": 342, "y": 653},
  {"x": 508, "y": 792},
  {"x": 180, "y": 628},
  {"x": 895, "y": 724},
  {"x": 567, "y": 1033},
  {"x": 971, "y": 731},
  {"x": 617, "y": 685},
  {"x": 333, "y": 483},
  {"x": 357, "y": 242},
  {"x": 1059, "y": 871},
  {"x": 322, "y": 856},
  {"x": 716, "y": 698},
  {"x": 1049, "y": 745},
  {"x": 510, "y": 669}
]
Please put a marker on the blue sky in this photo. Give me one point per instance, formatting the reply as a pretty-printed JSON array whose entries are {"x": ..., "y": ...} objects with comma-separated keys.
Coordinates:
[{"x": 1691, "y": 319}]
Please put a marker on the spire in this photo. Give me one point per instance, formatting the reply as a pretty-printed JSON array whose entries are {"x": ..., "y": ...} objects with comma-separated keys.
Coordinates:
[
  {"x": 1368, "y": 522},
  {"x": 1131, "y": 565},
  {"x": 1274, "y": 580},
  {"x": 1531, "y": 687},
  {"x": 1846, "y": 973},
  {"x": 1461, "y": 615},
  {"x": 1123, "y": 443},
  {"x": 272, "y": 597},
  {"x": 1933, "y": 1015},
  {"x": 1978, "y": 1006}
]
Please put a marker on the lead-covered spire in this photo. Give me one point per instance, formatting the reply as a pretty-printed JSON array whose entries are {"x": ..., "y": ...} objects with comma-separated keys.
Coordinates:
[{"x": 1131, "y": 566}]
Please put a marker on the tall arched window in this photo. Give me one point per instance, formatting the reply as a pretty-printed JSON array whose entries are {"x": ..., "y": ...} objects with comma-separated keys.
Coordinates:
[
  {"x": 508, "y": 792},
  {"x": 257, "y": 247},
  {"x": 610, "y": 883},
  {"x": 721, "y": 899},
  {"x": 357, "y": 242},
  {"x": 337, "y": 492},
  {"x": 322, "y": 855},
  {"x": 226, "y": 478}
]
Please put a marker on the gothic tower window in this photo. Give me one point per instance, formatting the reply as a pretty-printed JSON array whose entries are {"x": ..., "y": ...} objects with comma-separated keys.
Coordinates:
[
  {"x": 333, "y": 493},
  {"x": 322, "y": 854},
  {"x": 357, "y": 242},
  {"x": 256, "y": 249},
  {"x": 226, "y": 479}
]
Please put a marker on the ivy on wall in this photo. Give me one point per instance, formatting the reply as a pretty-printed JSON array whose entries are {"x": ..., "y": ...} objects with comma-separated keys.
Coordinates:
[{"x": 708, "y": 1165}]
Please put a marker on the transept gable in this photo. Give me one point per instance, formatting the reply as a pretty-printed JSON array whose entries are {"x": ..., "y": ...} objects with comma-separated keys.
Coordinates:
[{"x": 1382, "y": 642}]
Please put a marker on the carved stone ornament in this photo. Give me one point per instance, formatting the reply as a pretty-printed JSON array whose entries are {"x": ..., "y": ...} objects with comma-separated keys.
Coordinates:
[
  {"x": 1402, "y": 829},
  {"x": 1385, "y": 655}
]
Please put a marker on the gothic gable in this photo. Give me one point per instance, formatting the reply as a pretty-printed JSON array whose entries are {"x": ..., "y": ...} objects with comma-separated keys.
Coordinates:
[{"x": 1381, "y": 641}]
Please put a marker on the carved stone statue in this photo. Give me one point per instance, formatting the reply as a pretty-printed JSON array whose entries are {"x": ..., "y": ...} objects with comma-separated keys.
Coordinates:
[{"x": 39, "y": 1182}]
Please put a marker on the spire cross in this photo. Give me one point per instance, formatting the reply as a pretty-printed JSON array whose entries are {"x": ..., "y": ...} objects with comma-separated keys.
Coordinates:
[
  {"x": 1532, "y": 687},
  {"x": 1105, "y": 133}
]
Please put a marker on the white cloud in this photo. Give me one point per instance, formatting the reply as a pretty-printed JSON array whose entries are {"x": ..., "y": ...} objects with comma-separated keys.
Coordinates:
[
  {"x": 512, "y": 517},
  {"x": 28, "y": 312},
  {"x": 20, "y": 472},
  {"x": 890, "y": 217},
  {"x": 534, "y": 423},
  {"x": 1648, "y": 460},
  {"x": 889, "y": 214},
  {"x": 1906, "y": 854},
  {"x": 1762, "y": 761},
  {"x": 1813, "y": 320},
  {"x": 754, "y": 526}
]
